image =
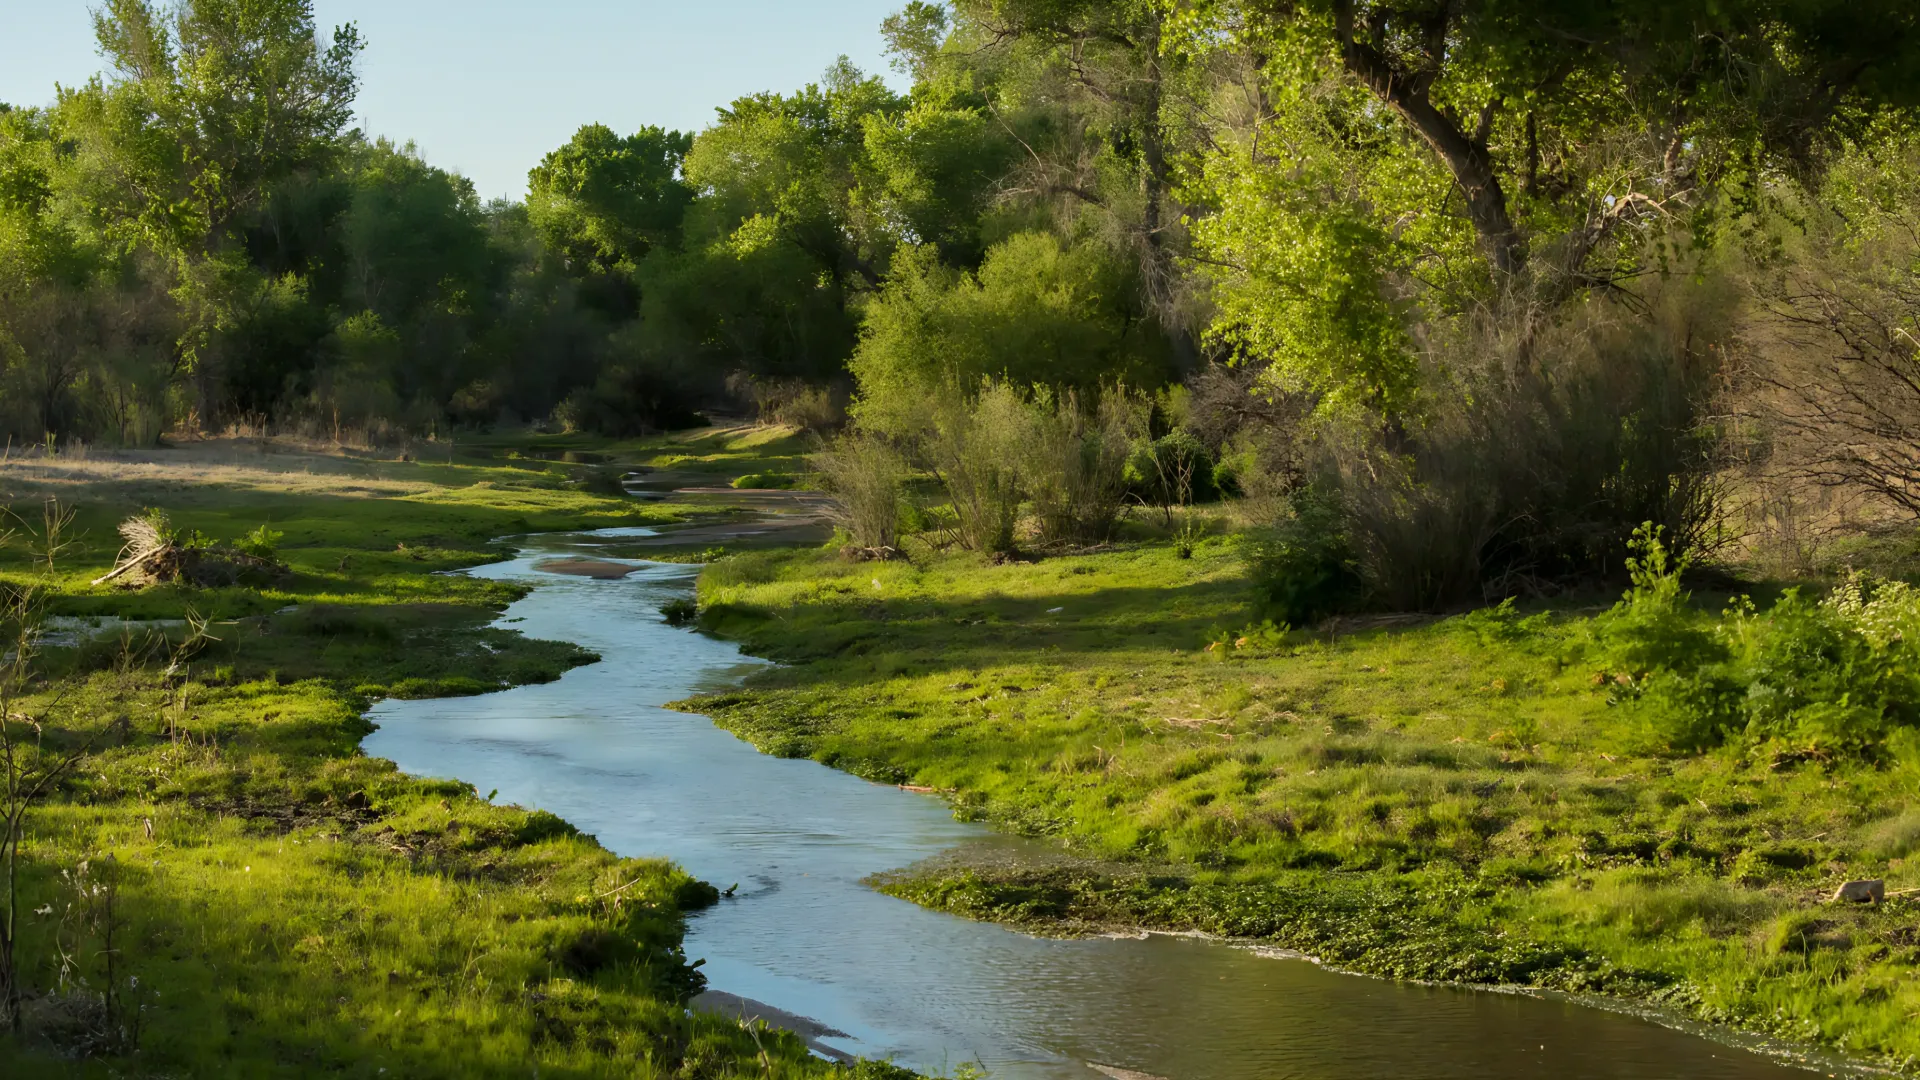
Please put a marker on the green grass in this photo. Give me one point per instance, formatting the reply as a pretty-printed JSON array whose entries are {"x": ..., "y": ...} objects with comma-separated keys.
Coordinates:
[
  {"x": 288, "y": 906},
  {"x": 1437, "y": 799},
  {"x": 717, "y": 454}
]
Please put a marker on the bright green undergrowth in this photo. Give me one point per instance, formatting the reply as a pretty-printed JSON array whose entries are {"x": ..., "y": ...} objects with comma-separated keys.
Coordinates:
[
  {"x": 1468, "y": 798},
  {"x": 285, "y": 906}
]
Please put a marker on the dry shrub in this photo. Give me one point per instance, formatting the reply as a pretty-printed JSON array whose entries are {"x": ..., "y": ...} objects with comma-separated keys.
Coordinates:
[
  {"x": 866, "y": 478},
  {"x": 1544, "y": 442},
  {"x": 1836, "y": 377},
  {"x": 793, "y": 402}
]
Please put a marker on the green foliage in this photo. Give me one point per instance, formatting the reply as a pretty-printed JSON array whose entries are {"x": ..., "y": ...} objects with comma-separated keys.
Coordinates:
[
  {"x": 978, "y": 449},
  {"x": 866, "y": 478},
  {"x": 767, "y": 481},
  {"x": 1810, "y": 678},
  {"x": 1075, "y": 461},
  {"x": 1503, "y": 625},
  {"x": 1301, "y": 568},
  {"x": 602, "y": 202},
  {"x": 1653, "y": 628},
  {"x": 1307, "y": 292},
  {"x": 680, "y": 612},
  {"x": 262, "y": 543},
  {"x": 1038, "y": 313},
  {"x": 1173, "y": 470}
]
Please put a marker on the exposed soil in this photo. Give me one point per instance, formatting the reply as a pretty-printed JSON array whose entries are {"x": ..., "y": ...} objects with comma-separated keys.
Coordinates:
[
  {"x": 746, "y": 1009},
  {"x": 598, "y": 569}
]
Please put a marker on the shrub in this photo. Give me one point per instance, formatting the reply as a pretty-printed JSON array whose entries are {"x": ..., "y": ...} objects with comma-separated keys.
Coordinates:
[
  {"x": 680, "y": 611},
  {"x": 261, "y": 543},
  {"x": 1542, "y": 440},
  {"x": 1076, "y": 464},
  {"x": 977, "y": 449},
  {"x": 1652, "y": 628},
  {"x": 1301, "y": 567},
  {"x": 766, "y": 481},
  {"x": 1173, "y": 470},
  {"x": 866, "y": 478},
  {"x": 1834, "y": 677},
  {"x": 1227, "y": 471},
  {"x": 793, "y": 402},
  {"x": 636, "y": 394}
]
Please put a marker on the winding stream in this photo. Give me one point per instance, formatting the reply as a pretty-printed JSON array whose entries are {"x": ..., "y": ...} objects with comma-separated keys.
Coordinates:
[{"x": 928, "y": 990}]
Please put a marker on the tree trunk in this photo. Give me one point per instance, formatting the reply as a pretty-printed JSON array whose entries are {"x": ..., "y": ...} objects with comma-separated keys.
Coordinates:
[{"x": 1465, "y": 155}]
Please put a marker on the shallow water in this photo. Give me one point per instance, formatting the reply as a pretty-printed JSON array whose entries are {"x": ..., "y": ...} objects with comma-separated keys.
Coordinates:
[{"x": 929, "y": 990}]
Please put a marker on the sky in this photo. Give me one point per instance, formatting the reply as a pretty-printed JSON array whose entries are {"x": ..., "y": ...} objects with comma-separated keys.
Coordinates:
[{"x": 489, "y": 87}]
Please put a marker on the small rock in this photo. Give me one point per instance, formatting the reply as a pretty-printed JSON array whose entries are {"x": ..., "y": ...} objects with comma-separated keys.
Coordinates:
[{"x": 1861, "y": 892}]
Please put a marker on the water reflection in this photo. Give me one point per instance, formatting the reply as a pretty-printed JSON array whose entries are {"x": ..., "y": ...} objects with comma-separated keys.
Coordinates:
[{"x": 802, "y": 934}]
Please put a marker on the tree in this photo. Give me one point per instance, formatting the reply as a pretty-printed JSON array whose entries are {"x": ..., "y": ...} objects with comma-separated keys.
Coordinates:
[
  {"x": 1108, "y": 145},
  {"x": 603, "y": 201},
  {"x": 209, "y": 106},
  {"x": 1038, "y": 313},
  {"x": 1527, "y": 97},
  {"x": 794, "y": 166}
]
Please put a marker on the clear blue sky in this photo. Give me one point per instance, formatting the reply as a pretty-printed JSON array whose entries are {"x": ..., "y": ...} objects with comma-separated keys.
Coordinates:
[{"x": 486, "y": 87}]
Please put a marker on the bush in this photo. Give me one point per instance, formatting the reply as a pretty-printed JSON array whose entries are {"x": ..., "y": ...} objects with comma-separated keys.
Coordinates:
[
  {"x": 1301, "y": 567},
  {"x": 1542, "y": 441},
  {"x": 636, "y": 395},
  {"x": 793, "y": 402},
  {"x": 766, "y": 481},
  {"x": 1653, "y": 628},
  {"x": 679, "y": 612},
  {"x": 1076, "y": 464},
  {"x": 261, "y": 543},
  {"x": 1814, "y": 679},
  {"x": 866, "y": 478},
  {"x": 977, "y": 449},
  {"x": 1173, "y": 470}
]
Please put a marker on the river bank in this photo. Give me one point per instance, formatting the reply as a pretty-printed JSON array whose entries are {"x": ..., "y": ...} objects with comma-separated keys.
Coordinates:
[
  {"x": 1443, "y": 801},
  {"x": 799, "y": 931},
  {"x": 493, "y": 936},
  {"x": 231, "y": 887}
]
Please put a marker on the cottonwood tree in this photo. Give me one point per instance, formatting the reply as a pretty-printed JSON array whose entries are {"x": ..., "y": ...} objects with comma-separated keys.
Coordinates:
[
  {"x": 208, "y": 105},
  {"x": 1523, "y": 101}
]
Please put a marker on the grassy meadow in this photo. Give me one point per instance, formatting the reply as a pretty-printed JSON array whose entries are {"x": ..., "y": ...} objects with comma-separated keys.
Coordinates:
[
  {"x": 225, "y": 885},
  {"x": 1433, "y": 798}
]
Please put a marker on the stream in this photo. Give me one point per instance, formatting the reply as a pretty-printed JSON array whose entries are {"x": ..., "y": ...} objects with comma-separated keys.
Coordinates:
[{"x": 886, "y": 979}]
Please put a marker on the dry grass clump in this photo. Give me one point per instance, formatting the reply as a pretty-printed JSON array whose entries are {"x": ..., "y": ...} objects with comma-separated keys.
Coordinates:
[{"x": 866, "y": 479}]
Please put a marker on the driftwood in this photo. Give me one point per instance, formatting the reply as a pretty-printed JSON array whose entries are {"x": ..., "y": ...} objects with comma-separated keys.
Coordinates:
[
  {"x": 153, "y": 555},
  {"x": 146, "y": 540}
]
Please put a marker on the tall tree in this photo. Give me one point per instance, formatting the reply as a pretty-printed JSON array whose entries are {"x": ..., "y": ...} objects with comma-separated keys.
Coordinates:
[
  {"x": 208, "y": 106},
  {"x": 603, "y": 201}
]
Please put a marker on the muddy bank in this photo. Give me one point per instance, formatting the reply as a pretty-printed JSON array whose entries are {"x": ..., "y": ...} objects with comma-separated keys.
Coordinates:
[
  {"x": 598, "y": 569},
  {"x": 747, "y": 1010}
]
